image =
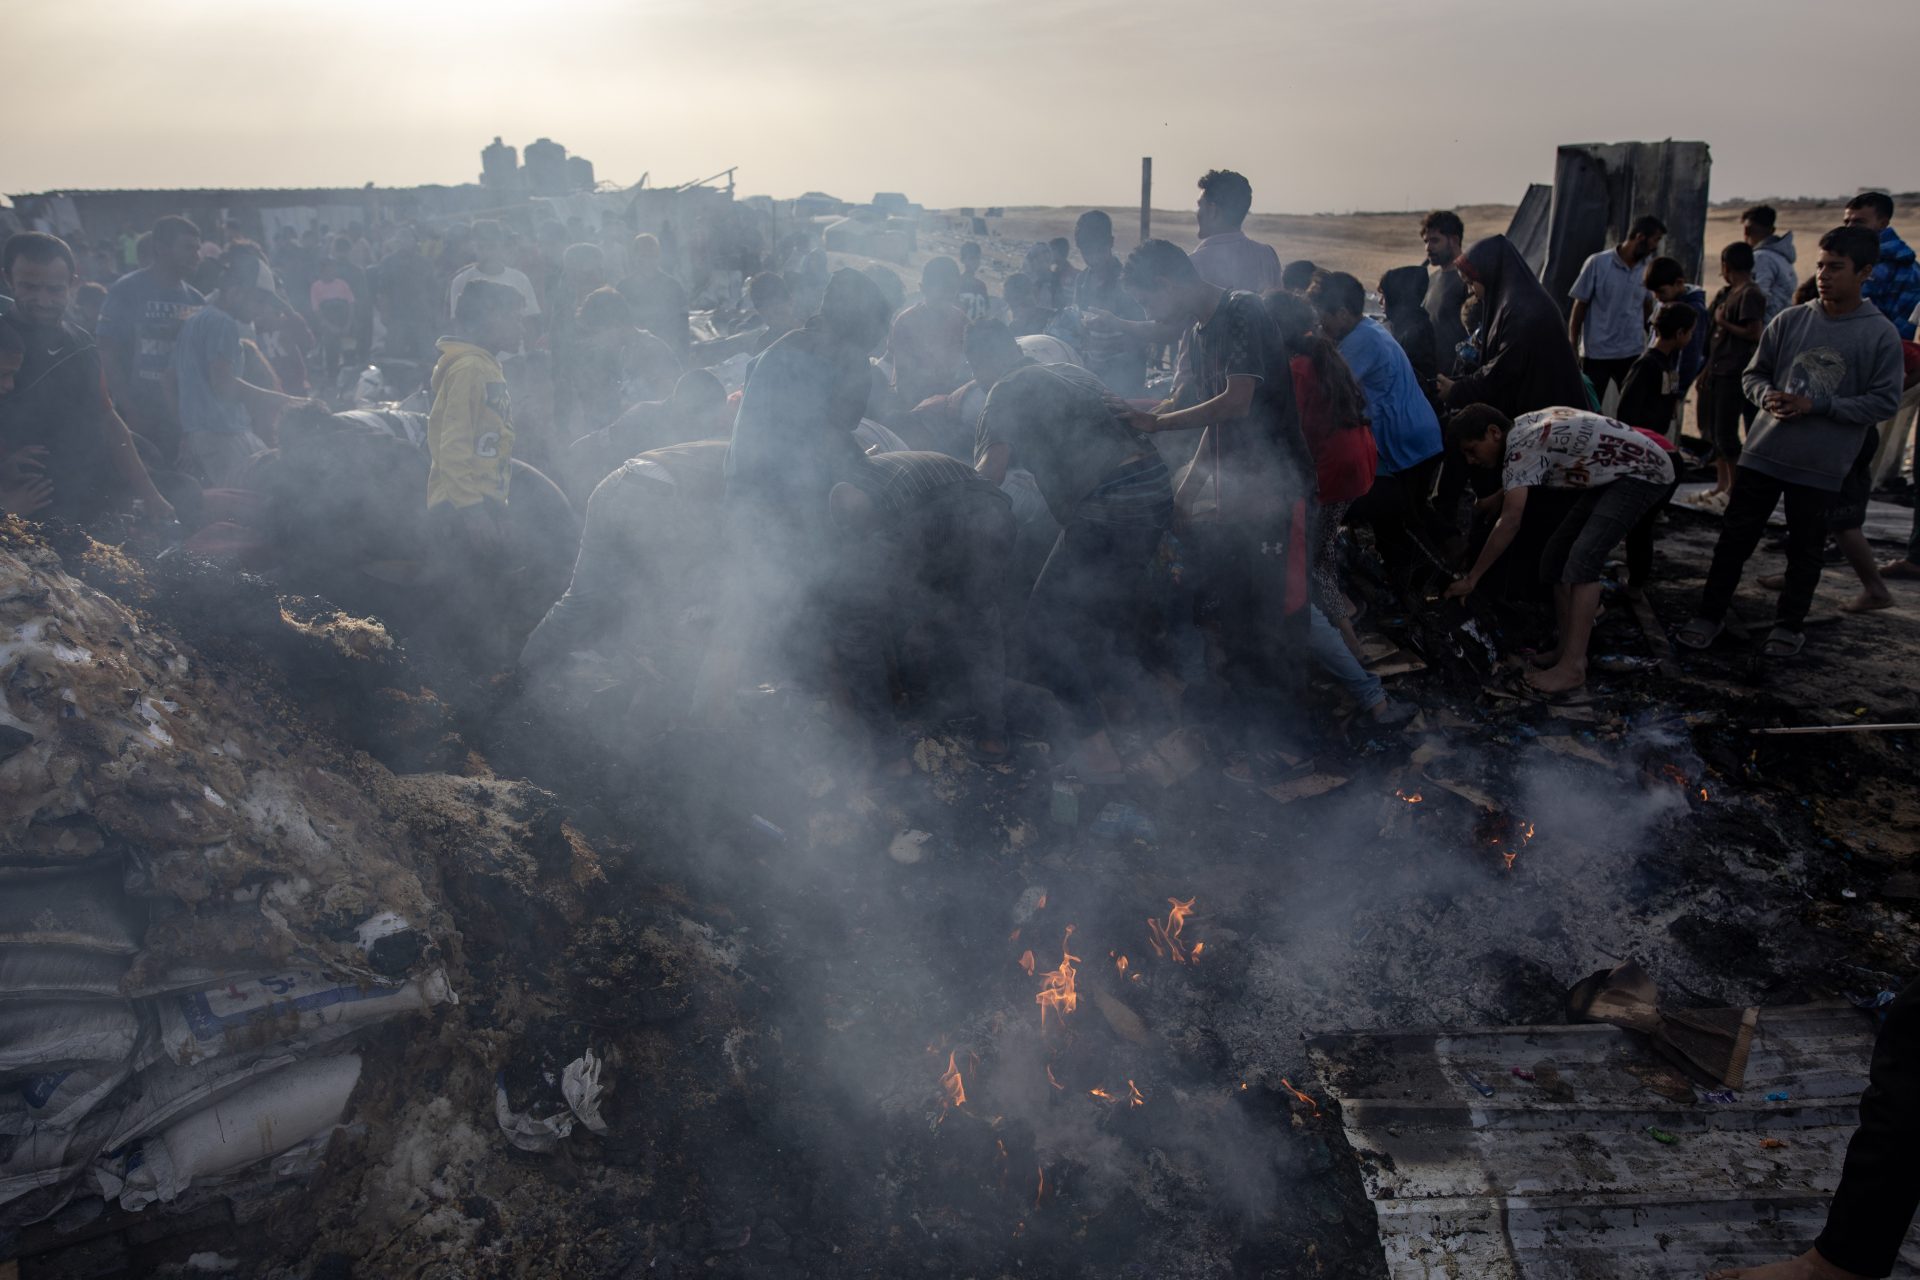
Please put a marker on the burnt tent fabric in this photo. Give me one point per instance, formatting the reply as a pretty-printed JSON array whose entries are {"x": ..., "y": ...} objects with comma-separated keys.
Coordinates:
[{"x": 1528, "y": 226}]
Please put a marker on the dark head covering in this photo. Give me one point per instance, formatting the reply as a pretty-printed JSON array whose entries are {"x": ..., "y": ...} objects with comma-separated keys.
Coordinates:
[{"x": 1527, "y": 363}]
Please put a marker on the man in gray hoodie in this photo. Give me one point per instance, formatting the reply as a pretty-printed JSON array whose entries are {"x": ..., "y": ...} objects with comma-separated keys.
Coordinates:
[
  {"x": 1773, "y": 258},
  {"x": 1825, "y": 373}
]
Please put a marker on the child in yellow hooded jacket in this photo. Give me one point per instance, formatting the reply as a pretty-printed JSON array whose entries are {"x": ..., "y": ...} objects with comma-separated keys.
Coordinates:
[{"x": 470, "y": 428}]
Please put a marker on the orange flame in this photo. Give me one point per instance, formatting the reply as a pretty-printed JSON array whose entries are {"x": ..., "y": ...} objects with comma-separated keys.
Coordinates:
[
  {"x": 1041, "y": 1191},
  {"x": 1103, "y": 1095},
  {"x": 1166, "y": 937},
  {"x": 1050, "y": 1078},
  {"x": 1121, "y": 965},
  {"x": 1703, "y": 795},
  {"x": 1057, "y": 992},
  {"x": 1198, "y": 947},
  {"x": 1026, "y": 962},
  {"x": 1506, "y": 834},
  {"x": 950, "y": 1081},
  {"x": 1042, "y": 904},
  {"x": 1415, "y": 798},
  {"x": 1134, "y": 1099},
  {"x": 1303, "y": 1097}
]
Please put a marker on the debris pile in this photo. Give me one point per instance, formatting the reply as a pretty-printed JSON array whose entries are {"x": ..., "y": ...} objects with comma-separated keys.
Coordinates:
[{"x": 200, "y": 910}]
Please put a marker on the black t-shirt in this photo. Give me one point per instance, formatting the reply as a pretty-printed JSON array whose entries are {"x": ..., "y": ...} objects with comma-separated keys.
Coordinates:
[
  {"x": 60, "y": 402},
  {"x": 659, "y": 305},
  {"x": 1262, "y": 466},
  {"x": 1647, "y": 395}
]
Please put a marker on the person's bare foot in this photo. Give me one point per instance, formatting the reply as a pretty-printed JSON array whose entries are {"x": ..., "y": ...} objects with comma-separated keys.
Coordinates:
[
  {"x": 1808, "y": 1266},
  {"x": 1558, "y": 679},
  {"x": 1545, "y": 661},
  {"x": 1901, "y": 570},
  {"x": 1867, "y": 602},
  {"x": 1774, "y": 582}
]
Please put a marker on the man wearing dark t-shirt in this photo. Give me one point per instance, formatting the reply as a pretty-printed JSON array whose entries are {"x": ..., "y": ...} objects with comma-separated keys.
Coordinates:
[
  {"x": 658, "y": 301},
  {"x": 139, "y": 321},
  {"x": 1117, "y": 359},
  {"x": 1251, "y": 481},
  {"x": 59, "y": 402}
]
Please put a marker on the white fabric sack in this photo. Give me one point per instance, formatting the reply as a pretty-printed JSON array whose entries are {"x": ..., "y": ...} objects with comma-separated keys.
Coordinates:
[
  {"x": 40, "y": 1036},
  {"x": 266, "y": 1118},
  {"x": 251, "y": 1013},
  {"x": 42, "y": 973}
]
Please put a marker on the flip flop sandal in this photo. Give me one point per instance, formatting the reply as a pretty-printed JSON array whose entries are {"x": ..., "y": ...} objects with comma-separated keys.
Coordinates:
[
  {"x": 1700, "y": 633},
  {"x": 1782, "y": 643},
  {"x": 1578, "y": 696}
]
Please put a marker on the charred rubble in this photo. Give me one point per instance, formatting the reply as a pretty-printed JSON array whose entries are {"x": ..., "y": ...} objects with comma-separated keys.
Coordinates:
[{"x": 712, "y": 1009}]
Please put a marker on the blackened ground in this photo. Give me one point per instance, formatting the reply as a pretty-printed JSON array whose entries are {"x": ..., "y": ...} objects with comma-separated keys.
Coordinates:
[{"x": 778, "y": 999}]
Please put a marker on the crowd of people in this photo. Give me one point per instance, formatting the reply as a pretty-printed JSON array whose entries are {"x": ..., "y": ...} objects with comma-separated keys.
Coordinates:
[
  {"x": 1131, "y": 491},
  {"x": 1144, "y": 481}
]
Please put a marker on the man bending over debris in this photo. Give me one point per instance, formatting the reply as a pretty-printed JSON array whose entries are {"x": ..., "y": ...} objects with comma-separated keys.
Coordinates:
[
  {"x": 1880, "y": 1181},
  {"x": 1109, "y": 489},
  {"x": 630, "y": 619},
  {"x": 792, "y": 442},
  {"x": 1623, "y": 476},
  {"x": 1825, "y": 373},
  {"x": 927, "y": 542}
]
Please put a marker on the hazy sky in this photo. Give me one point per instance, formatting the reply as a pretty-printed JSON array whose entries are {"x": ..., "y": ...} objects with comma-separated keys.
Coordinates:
[{"x": 1325, "y": 105}]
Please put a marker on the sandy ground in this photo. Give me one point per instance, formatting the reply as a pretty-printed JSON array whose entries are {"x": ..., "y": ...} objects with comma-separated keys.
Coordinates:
[{"x": 1365, "y": 244}]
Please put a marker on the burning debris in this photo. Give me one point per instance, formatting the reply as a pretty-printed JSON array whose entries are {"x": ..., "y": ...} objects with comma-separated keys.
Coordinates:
[
  {"x": 1058, "y": 990},
  {"x": 1165, "y": 936},
  {"x": 950, "y": 1081}
]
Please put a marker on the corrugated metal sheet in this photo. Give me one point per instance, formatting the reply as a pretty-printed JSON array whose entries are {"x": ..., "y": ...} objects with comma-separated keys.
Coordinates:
[
  {"x": 1559, "y": 1178},
  {"x": 1600, "y": 188}
]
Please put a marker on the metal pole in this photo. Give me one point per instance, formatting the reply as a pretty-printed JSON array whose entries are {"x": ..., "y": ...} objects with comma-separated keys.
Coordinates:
[
  {"x": 1146, "y": 198},
  {"x": 1844, "y": 728}
]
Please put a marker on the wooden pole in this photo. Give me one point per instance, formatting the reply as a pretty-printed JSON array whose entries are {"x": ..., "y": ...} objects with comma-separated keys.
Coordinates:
[{"x": 1146, "y": 198}]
